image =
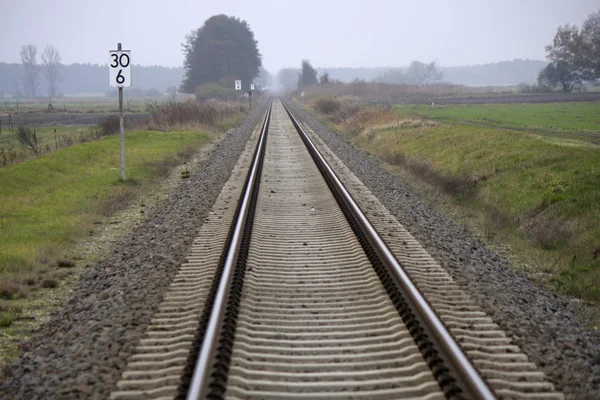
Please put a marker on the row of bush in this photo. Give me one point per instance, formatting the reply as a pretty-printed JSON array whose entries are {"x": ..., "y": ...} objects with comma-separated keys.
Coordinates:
[{"x": 200, "y": 115}]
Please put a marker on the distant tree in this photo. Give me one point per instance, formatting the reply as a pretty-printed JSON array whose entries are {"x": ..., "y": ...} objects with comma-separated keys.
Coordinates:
[
  {"x": 264, "y": 79},
  {"x": 308, "y": 75},
  {"x": 394, "y": 75},
  {"x": 590, "y": 36},
  {"x": 421, "y": 73},
  {"x": 559, "y": 74},
  {"x": 576, "y": 54},
  {"x": 224, "y": 46},
  {"x": 152, "y": 92},
  {"x": 287, "y": 78},
  {"x": 51, "y": 60},
  {"x": 214, "y": 90},
  {"x": 324, "y": 79},
  {"x": 30, "y": 69}
]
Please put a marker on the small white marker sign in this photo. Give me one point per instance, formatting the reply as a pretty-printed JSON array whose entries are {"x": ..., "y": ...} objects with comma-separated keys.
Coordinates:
[
  {"x": 246, "y": 94},
  {"x": 302, "y": 94},
  {"x": 238, "y": 85},
  {"x": 252, "y": 86},
  {"x": 119, "y": 68}
]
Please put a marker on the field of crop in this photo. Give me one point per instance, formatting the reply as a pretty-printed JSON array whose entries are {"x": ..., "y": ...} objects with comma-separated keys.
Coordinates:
[{"x": 535, "y": 188}]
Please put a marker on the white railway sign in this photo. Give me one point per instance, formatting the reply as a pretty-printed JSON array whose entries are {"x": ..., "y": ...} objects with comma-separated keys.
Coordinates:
[
  {"x": 252, "y": 86},
  {"x": 238, "y": 85},
  {"x": 119, "y": 68}
]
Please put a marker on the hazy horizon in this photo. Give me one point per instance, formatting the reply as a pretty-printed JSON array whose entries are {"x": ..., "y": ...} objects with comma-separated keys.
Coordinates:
[{"x": 334, "y": 34}]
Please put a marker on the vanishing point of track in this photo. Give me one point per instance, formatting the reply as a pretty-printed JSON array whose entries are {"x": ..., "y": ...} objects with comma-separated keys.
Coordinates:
[{"x": 290, "y": 292}]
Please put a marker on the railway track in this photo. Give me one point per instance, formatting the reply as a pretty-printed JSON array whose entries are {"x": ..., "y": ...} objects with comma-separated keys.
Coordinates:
[{"x": 289, "y": 292}]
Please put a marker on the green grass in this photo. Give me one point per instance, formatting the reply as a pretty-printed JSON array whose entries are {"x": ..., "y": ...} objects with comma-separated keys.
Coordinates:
[
  {"x": 553, "y": 117},
  {"x": 48, "y": 203},
  {"x": 535, "y": 189}
]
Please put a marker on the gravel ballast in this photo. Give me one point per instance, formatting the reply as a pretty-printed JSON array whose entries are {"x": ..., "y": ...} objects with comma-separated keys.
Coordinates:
[
  {"x": 547, "y": 326},
  {"x": 82, "y": 350}
]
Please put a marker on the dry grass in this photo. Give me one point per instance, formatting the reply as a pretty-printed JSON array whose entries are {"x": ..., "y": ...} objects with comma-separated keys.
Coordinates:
[
  {"x": 118, "y": 201},
  {"x": 109, "y": 125},
  {"x": 338, "y": 109},
  {"x": 548, "y": 231},
  {"x": 190, "y": 115},
  {"x": 164, "y": 167},
  {"x": 383, "y": 92},
  {"x": 13, "y": 288}
]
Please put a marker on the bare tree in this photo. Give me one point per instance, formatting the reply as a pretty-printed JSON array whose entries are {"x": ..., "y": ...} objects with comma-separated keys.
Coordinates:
[
  {"x": 51, "y": 59},
  {"x": 421, "y": 73},
  {"x": 31, "y": 69},
  {"x": 172, "y": 93}
]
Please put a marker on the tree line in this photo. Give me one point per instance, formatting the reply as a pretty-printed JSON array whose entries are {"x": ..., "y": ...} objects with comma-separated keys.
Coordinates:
[
  {"x": 574, "y": 56},
  {"x": 418, "y": 73},
  {"x": 88, "y": 78}
]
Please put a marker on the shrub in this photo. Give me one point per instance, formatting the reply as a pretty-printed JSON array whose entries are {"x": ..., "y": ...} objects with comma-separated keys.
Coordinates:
[
  {"x": 11, "y": 289},
  {"x": 49, "y": 283},
  {"x": 328, "y": 106},
  {"x": 28, "y": 138},
  {"x": 64, "y": 263},
  {"x": 109, "y": 125},
  {"x": 204, "y": 113}
]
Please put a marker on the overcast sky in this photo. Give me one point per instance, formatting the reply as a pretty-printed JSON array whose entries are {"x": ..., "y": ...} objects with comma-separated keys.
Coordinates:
[{"x": 334, "y": 33}]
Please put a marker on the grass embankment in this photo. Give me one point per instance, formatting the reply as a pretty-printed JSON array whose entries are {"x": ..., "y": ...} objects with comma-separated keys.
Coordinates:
[
  {"x": 537, "y": 191},
  {"x": 50, "y": 203}
]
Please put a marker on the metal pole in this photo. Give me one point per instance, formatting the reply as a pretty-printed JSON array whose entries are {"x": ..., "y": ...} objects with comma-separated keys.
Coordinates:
[{"x": 121, "y": 128}]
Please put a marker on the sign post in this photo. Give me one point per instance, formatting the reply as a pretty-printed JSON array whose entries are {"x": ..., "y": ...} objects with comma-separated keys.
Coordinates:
[
  {"x": 238, "y": 87},
  {"x": 120, "y": 76},
  {"x": 250, "y": 94}
]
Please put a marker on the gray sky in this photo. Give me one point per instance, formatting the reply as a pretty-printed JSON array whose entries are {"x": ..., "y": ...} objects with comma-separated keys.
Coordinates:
[{"x": 337, "y": 33}]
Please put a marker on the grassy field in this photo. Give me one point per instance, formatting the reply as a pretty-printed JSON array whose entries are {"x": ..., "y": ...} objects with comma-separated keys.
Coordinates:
[
  {"x": 554, "y": 117},
  {"x": 79, "y": 104},
  {"x": 534, "y": 189},
  {"x": 49, "y": 203}
]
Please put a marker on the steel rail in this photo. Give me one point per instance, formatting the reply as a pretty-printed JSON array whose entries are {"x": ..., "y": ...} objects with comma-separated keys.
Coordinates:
[
  {"x": 199, "y": 384},
  {"x": 474, "y": 384}
]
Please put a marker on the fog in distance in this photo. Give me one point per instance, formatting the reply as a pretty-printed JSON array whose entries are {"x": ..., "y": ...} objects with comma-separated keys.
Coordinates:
[{"x": 339, "y": 33}]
